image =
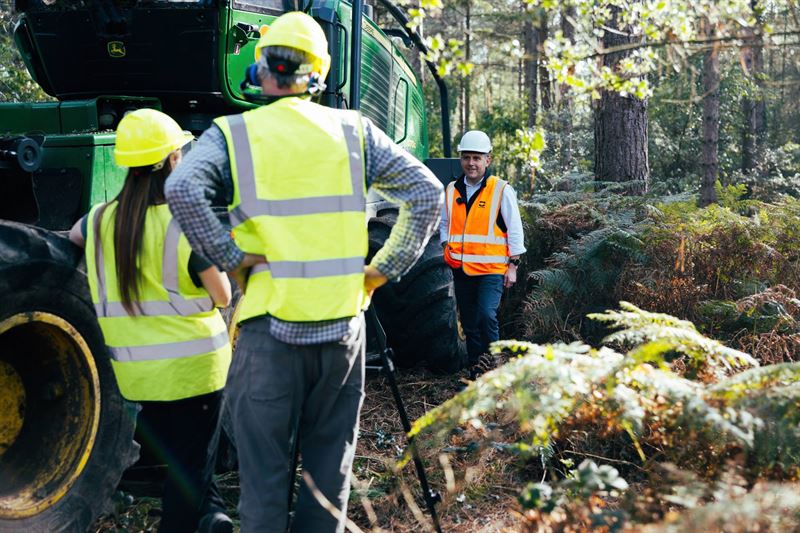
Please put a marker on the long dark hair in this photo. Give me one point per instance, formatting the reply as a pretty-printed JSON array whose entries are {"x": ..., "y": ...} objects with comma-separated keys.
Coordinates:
[{"x": 143, "y": 187}]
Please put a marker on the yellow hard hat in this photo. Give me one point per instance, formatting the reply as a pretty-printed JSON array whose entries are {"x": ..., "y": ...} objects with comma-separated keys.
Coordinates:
[
  {"x": 146, "y": 137},
  {"x": 298, "y": 30}
]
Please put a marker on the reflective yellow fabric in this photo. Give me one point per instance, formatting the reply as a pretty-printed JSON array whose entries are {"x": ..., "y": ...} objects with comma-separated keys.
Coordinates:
[
  {"x": 178, "y": 348},
  {"x": 299, "y": 199}
]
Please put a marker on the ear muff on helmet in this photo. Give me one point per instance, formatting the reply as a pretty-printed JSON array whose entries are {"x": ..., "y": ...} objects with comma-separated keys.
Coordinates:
[
  {"x": 316, "y": 85},
  {"x": 251, "y": 85},
  {"x": 251, "y": 79},
  {"x": 300, "y": 31}
]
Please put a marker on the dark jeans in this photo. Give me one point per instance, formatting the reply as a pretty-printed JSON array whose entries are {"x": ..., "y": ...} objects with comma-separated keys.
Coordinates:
[
  {"x": 478, "y": 298},
  {"x": 276, "y": 389},
  {"x": 184, "y": 435}
]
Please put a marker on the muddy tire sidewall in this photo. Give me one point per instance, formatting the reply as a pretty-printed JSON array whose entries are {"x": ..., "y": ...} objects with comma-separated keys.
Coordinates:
[
  {"x": 419, "y": 312},
  {"x": 62, "y": 290}
]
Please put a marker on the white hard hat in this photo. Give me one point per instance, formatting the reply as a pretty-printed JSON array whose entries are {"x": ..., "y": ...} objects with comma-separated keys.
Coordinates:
[{"x": 475, "y": 141}]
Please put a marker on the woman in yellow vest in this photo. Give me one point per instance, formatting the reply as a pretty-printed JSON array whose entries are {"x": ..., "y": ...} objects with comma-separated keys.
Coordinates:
[{"x": 156, "y": 304}]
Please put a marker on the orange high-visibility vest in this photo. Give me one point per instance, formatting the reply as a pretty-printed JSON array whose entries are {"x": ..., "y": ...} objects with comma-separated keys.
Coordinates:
[{"x": 475, "y": 243}]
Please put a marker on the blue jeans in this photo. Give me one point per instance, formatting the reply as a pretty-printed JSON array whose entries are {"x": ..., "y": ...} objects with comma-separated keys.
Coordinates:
[{"x": 478, "y": 298}]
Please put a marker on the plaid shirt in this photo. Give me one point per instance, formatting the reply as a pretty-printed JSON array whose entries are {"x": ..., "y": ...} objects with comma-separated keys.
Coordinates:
[{"x": 204, "y": 179}]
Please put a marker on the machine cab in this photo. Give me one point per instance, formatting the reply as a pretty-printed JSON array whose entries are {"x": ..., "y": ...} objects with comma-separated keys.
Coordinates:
[{"x": 191, "y": 56}]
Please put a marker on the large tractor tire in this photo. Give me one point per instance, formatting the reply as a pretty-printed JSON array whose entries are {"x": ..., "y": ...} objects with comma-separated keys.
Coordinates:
[
  {"x": 419, "y": 312},
  {"x": 66, "y": 434}
]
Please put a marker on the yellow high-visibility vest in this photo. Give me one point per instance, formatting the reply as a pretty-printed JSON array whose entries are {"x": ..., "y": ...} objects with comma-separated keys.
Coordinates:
[
  {"x": 178, "y": 346},
  {"x": 299, "y": 198}
]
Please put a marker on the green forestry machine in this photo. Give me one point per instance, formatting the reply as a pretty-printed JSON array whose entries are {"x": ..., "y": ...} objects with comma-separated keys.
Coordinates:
[{"x": 65, "y": 433}]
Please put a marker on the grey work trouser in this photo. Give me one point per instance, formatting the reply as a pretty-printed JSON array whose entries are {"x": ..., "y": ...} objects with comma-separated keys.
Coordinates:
[{"x": 273, "y": 388}]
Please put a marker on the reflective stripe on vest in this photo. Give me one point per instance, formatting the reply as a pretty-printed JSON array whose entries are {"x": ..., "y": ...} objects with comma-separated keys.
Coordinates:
[
  {"x": 475, "y": 243},
  {"x": 471, "y": 258},
  {"x": 251, "y": 206},
  {"x": 151, "y": 352},
  {"x": 299, "y": 199},
  {"x": 312, "y": 269},
  {"x": 177, "y": 304},
  {"x": 484, "y": 239}
]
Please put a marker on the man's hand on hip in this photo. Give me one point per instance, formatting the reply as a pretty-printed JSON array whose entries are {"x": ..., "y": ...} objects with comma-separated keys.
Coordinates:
[
  {"x": 510, "y": 277},
  {"x": 242, "y": 272},
  {"x": 373, "y": 279}
]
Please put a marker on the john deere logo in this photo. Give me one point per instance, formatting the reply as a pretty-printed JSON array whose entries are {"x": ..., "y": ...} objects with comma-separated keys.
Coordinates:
[{"x": 116, "y": 49}]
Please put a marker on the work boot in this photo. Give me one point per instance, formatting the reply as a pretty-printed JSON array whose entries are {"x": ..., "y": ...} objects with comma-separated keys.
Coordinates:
[
  {"x": 485, "y": 363},
  {"x": 215, "y": 523}
]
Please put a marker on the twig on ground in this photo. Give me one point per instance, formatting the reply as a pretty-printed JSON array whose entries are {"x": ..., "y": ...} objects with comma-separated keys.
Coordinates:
[
  {"x": 608, "y": 459},
  {"x": 361, "y": 489},
  {"x": 415, "y": 510},
  {"x": 327, "y": 505}
]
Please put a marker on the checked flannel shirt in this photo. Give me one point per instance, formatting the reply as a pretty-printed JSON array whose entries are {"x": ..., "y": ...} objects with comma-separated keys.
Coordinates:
[{"x": 204, "y": 179}]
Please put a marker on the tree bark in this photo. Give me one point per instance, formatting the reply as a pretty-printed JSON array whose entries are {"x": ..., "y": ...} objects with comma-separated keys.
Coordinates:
[
  {"x": 520, "y": 61},
  {"x": 565, "y": 100},
  {"x": 461, "y": 105},
  {"x": 620, "y": 132},
  {"x": 461, "y": 93},
  {"x": 710, "y": 163},
  {"x": 568, "y": 13},
  {"x": 754, "y": 108},
  {"x": 531, "y": 70},
  {"x": 467, "y": 56},
  {"x": 544, "y": 74}
]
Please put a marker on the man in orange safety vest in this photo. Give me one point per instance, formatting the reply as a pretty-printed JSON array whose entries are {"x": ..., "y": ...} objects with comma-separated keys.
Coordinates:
[{"x": 481, "y": 232}]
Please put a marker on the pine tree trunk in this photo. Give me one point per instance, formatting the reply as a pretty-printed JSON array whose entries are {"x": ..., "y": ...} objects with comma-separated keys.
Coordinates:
[
  {"x": 461, "y": 105},
  {"x": 568, "y": 14},
  {"x": 753, "y": 108},
  {"x": 710, "y": 163},
  {"x": 467, "y": 56},
  {"x": 565, "y": 100},
  {"x": 531, "y": 70},
  {"x": 461, "y": 82},
  {"x": 544, "y": 74},
  {"x": 620, "y": 132}
]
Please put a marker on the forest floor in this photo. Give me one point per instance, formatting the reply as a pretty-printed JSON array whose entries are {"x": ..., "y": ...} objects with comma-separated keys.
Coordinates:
[{"x": 382, "y": 498}]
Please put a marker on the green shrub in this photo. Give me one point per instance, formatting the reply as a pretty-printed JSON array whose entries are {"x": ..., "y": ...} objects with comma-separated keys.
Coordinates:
[{"x": 589, "y": 249}]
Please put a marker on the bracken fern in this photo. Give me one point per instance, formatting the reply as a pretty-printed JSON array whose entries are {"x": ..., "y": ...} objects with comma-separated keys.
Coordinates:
[{"x": 634, "y": 392}]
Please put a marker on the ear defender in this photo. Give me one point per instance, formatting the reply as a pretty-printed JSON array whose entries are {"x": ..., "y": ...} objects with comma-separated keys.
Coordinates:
[
  {"x": 315, "y": 84},
  {"x": 250, "y": 77},
  {"x": 251, "y": 85}
]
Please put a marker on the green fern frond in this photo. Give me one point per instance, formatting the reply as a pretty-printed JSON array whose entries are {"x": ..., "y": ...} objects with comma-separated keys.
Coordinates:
[
  {"x": 632, "y": 317},
  {"x": 558, "y": 198},
  {"x": 562, "y": 374},
  {"x": 754, "y": 379},
  {"x": 767, "y": 507},
  {"x": 640, "y": 327},
  {"x": 553, "y": 280},
  {"x": 543, "y": 386},
  {"x": 692, "y": 408}
]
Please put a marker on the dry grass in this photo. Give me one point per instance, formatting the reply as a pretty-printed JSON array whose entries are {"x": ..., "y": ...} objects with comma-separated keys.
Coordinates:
[{"x": 479, "y": 486}]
